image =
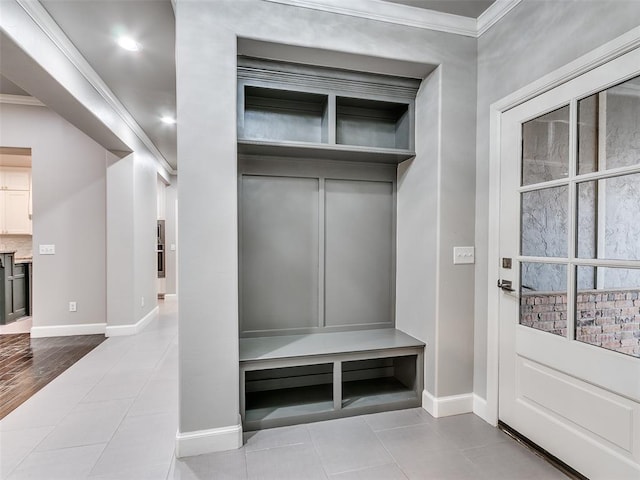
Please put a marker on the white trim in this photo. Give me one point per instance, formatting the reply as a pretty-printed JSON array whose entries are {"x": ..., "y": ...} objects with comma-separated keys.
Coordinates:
[
  {"x": 597, "y": 57},
  {"x": 68, "y": 330},
  {"x": 480, "y": 409},
  {"x": 410, "y": 16},
  {"x": 51, "y": 29},
  {"x": 120, "y": 330},
  {"x": 20, "y": 100},
  {"x": 170, "y": 296},
  {"x": 208, "y": 441},
  {"x": 447, "y": 406},
  {"x": 493, "y": 14}
]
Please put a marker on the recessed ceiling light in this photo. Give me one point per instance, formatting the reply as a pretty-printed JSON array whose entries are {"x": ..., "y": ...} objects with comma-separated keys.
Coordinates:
[
  {"x": 168, "y": 120},
  {"x": 129, "y": 43}
]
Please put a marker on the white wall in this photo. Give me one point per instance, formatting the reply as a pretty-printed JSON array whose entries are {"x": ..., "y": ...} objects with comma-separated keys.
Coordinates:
[
  {"x": 206, "y": 91},
  {"x": 535, "y": 38},
  {"x": 69, "y": 211}
]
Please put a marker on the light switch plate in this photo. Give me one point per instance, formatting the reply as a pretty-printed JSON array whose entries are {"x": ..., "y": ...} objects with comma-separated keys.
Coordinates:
[
  {"x": 47, "y": 249},
  {"x": 463, "y": 255}
]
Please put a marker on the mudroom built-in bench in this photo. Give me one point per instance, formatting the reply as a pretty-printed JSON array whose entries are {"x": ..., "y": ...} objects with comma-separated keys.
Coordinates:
[{"x": 318, "y": 151}]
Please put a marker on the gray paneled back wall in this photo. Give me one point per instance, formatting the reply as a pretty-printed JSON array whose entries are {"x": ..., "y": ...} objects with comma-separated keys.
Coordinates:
[{"x": 317, "y": 245}]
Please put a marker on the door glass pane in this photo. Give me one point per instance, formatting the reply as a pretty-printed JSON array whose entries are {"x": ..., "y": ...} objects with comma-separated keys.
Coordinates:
[
  {"x": 543, "y": 297},
  {"x": 609, "y": 218},
  {"x": 608, "y": 308},
  {"x": 608, "y": 126},
  {"x": 544, "y": 222},
  {"x": 545, "y": 147}
]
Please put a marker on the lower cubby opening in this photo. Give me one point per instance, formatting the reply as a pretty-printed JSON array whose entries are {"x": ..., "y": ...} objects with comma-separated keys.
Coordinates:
[
  {"x": 384, "y": 381},
  {"x": 278, "y": 393}
]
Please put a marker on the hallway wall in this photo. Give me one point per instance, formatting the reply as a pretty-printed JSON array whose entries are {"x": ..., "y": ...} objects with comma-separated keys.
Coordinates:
[{"x": 69, "y": 211}]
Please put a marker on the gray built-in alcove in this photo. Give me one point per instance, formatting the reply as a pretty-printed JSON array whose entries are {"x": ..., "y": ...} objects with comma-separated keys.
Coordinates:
[{"x": 317, "y": 167}]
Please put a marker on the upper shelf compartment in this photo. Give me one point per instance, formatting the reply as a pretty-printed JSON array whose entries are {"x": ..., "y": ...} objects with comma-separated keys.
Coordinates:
[
  {"x": 283, "y": 115},
  {"x": 300, "y": 111},
  {"x": 372, "y": 123}
]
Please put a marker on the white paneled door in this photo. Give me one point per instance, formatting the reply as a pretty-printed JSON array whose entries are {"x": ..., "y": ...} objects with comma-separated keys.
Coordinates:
[{"x": 570, "y": 248}]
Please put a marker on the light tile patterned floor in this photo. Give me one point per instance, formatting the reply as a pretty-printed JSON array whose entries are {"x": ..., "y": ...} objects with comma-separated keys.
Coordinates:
[{"x": 113, "y": 415}]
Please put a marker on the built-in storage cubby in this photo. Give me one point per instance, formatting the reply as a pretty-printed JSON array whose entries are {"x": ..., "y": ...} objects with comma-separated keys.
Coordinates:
[
  {"x": 378, "y": 382},
  {"x": 318, "y": 151},
  {"x": 311, "y": 112},
  {"x": 280, "y": 393},
  {"x": 285, "y": 380},
  {"x": 372, "y": 123},
  {"x": 284, "y": 115}
]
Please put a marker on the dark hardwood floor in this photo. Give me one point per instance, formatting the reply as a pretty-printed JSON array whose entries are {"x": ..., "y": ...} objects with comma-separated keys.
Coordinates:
[{"x": 27, "y": 365}]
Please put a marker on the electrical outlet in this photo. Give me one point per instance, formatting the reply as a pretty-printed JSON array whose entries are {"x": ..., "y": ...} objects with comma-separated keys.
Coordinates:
[
  {"x": 47, "y": 249},
  {"x": 73, "y": 307},
  {"x": 142, "y": 302}
]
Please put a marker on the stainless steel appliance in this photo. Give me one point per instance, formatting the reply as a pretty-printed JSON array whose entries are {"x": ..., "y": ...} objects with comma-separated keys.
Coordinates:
[{"x": 160, "y": 249}]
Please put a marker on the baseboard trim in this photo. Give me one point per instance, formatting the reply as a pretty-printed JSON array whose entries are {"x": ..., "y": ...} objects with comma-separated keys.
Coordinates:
[
  {"x": 68, "y": 330},
  {"x": 480, "y": 409},
  {"x": 200, "y": 442},
  {"x": 447, "y": 406},
  {"x": 120, "y": 330}
]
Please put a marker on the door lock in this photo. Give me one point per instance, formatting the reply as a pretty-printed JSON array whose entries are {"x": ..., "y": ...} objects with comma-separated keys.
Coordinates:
[{"x": 506, "y": 285}]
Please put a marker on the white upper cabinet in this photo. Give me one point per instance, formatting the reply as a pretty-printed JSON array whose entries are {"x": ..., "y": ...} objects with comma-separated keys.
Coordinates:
[
  {"x": 15, "y": 201},
  {"x": 15, "y": 178}
]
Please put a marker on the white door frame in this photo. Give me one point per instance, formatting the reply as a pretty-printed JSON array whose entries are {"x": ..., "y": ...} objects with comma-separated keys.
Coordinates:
[{"x": 601, "y": 55}]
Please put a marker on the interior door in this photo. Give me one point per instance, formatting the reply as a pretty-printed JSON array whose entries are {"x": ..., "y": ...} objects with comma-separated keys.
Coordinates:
[{"x": 570, "y": 224}]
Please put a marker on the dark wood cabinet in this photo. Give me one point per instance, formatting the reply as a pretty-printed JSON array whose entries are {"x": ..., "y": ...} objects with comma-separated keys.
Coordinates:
[{"x": 14, "y": 288}]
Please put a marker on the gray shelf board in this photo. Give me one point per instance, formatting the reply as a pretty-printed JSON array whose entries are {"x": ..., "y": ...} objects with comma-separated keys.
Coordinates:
[
  {"x": 378, "y": 391},
  {"x": 331, "y": 343},
  {"x": 303, "y": 150},
  {"x": 289, "y": 402}
]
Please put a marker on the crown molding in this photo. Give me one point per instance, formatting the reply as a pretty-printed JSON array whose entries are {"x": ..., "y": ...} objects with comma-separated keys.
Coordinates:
[
  {"x": 50, "y": 28},
  {"x": 20, "y": 100},
  {"x": 493, "y": 14},
  {"x": 391, "y": 13},
  {"x": 410, "y": 16}
]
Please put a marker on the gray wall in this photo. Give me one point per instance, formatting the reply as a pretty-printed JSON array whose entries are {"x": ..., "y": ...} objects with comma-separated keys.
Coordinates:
[
  {"x": 69, "y": 210},
  {"x": 532, "y": 40},
  {"x": 208, "y": 270},
  {"x": 131, "y": 239},
  {"x": 171, "y": 236},
  {"x": 120, "y": 267}
]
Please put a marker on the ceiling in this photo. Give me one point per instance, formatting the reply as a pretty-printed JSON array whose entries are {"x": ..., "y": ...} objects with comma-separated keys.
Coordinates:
[
  {"x": 465, "y": 8},
  {"x": 144, "y": 81}
]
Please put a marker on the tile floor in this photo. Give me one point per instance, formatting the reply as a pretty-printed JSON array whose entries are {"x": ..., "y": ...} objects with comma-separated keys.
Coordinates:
[{"x": 113, "y": 415}]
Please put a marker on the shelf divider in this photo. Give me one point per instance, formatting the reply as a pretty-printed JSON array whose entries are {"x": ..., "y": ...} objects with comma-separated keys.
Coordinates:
[{"x": 337, "y": 385}]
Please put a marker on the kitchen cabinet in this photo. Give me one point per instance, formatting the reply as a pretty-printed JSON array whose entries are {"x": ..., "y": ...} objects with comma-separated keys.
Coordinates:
[
  {"x": 14, "y": 212},
  {"x": 15, "y": 178},
  {"x": 14, "y": 288},
  {"x": 15, "y": 201}
]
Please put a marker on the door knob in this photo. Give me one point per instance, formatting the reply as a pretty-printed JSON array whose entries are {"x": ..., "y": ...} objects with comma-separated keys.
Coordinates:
[{"x": 506, "y": 285}]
